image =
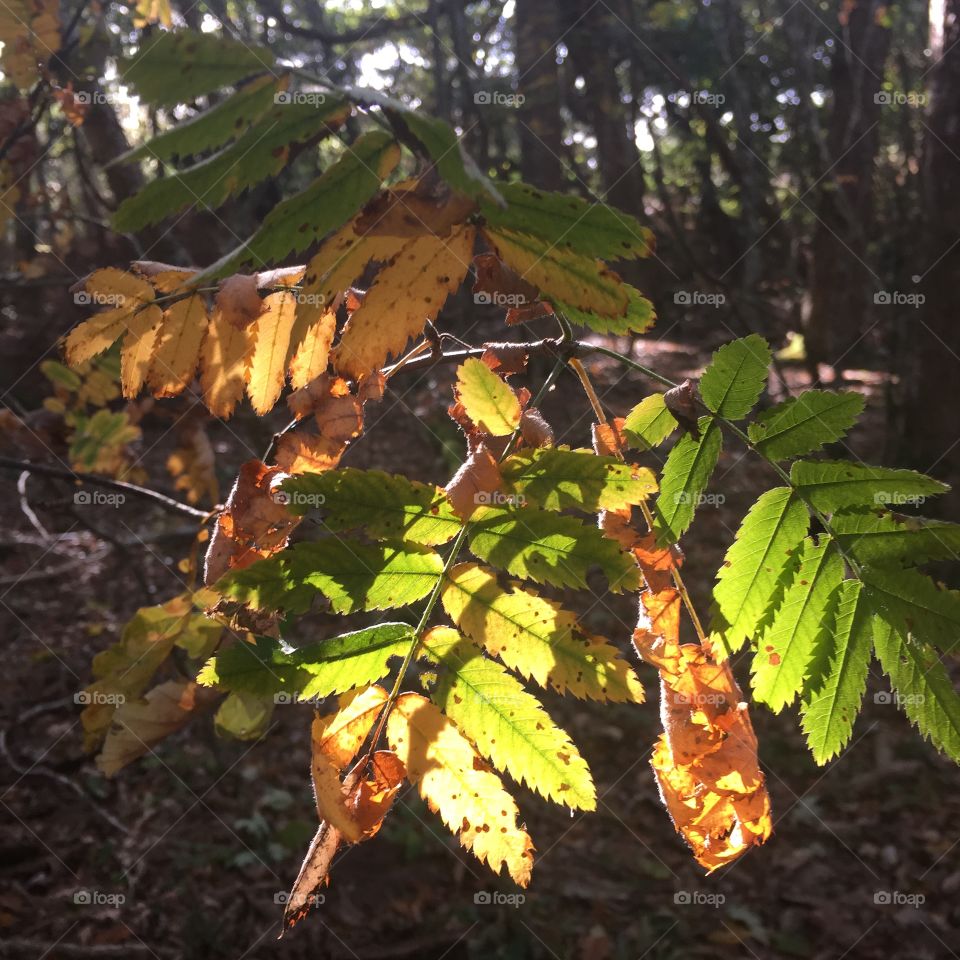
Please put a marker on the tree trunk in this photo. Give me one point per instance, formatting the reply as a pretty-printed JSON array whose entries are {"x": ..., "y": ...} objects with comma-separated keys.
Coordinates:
[
  {"x": 932, "y": 425},
  {"x": 843, "y": 283}
]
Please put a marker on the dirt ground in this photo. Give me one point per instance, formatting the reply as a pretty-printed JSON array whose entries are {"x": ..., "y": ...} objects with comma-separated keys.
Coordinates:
[{"x": 189, "y": 853}]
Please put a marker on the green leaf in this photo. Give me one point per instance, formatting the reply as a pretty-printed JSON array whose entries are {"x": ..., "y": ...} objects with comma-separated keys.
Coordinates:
[
  {"x": 243, "y": 717},
  {"x": 570, "y": 223},
  {"x": 649, "y": 423},
  {"x": 833, "y": 484},
  {"x": 638, "y": 318},
  {"x": 263, "y": 151},
  {"x": 549, "y": 548},
  {"x": 923, "y": 688},
  {"x": 270, "y": 668},
  {"x": 223, "y": 122},
  {"x": 785, "y": 649},
  {"x": 507, "y": 724},
  {"x": 443, "y": 145},
  {"x": 328, "y": 203},
  {"x": 804, "y": 424},
  {"x": 883, "y": 537},
  {"x": 352, "y": 576},
  {"x": 388, "y": 507},
  {"x": 832, "y": 700},
  {"x": 755, "y": 562},
  {"x": 170, "y": 68},
  {"x": 487, "y": 399},
  {"x": 536, "y": 638},
  {"x": 913, "y": 604},
  {"x": 557, "y": 478},
  {"x": 736, "y": 376},
  {"x": 685, "y": 476}
]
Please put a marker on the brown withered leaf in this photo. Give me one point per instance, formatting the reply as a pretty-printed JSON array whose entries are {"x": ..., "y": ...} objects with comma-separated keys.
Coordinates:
[
  {"x": 414, "y": 208},
  {"x": 528, "y": 313},
  {"x": 300, "y": 452},
  {"x": 608, "y": 438},
  {"x": 254, "y": 523},
  {"x": 239, "y": 300},
  {"x": 474, "y": 484},
  {"x": 500, "y": 285},
  {"x": 534, "y": 429},
  {"x": 681, "y": 401},
  {"x": 505, "y": 358}
]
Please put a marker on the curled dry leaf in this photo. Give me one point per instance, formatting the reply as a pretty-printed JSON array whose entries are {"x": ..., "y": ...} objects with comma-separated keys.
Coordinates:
[
  {"x": 534, "y": 429},
  {"x": 239, "y": 301},
  {"x": 681, "y": 401},
  {"x": 254, "y": 524},
  {"x": 505, "y": 358},
  {"x": 474, "y": 484},
  {"x": 497, "y": 284},
  {"x": 412, "y": 209}
]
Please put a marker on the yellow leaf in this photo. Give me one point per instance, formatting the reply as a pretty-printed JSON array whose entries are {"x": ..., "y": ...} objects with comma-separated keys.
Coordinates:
[
  {"x": 95, "y": 335},
  {"x": 339, "y": 735},
  {"x": 488, "y": 401},
  {"x": 136, "y": 354},
  {"x": 456, "y": 783},
  {"x": 536, "y": 637},
  {"x": 313, "y": 354},
  {"x": 574, "y": 279},
  {"x": 268, "y": 365},
  {"x": 178, "y": 346},
  {"x": 224, "y": 359},
  {"x": 114, "y": 287},
  {"x": 407, "y": 292}
]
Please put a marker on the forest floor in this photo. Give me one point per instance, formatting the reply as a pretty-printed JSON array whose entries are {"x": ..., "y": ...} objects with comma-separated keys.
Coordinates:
[{"x": 203, "y": 838}]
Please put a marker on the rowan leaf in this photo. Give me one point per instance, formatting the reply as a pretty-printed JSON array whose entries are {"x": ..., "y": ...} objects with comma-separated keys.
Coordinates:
[
  {"x": 338, "y": 736},
  {"x": 268, "y": 364},
  {"x": 772, "y": 529},
  {"x": 332, "y": 199},
  {"x": 879, "y": 537},
  {"x": 736, "y": 376},
  {"x": 386, "y": 506},
  {"x": 569, "y": 223},
  {"x": 177, "y": 350},
  {"x": 562, "y": 276},
  {"x": 549, "y": 547},
  {"x": 410, "y": 290},
  {"x": 834, "y": 484},
  {"x": 684, "y": 478},
  {"x": 453, "y": 780},
  {"x": 310, "y": 354},
  {"x": 137, "y": 348},
  {"x": 270, "y": 667},
  {"x": 352, "y": 576},
  {"x": 487, "y": 399},
  {"x": 263, "y": 151},
  {"x": 537, "y": 638},
  {"x": 923, "y": 688},
  {"x": 638, "y": 317},
  {"x": 223, "y": 122},
  {"x": 838, "y": 674},
  {"x": 785, "y": 649},
  {"x": 243, "y": 717},
  {"x": 649, "y": 423},
  {"x": 171, "y": 67},
  {"x": 557, "y": 478},
  {"x": 803, "y": 424},
  {"x": 914, "y": 605},
  {"x": 507, "y": 724},
  {"x": 224, "y": 360}
]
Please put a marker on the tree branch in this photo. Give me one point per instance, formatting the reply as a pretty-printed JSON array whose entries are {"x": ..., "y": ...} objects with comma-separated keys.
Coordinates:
[{"x": 145, "y": 493}]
